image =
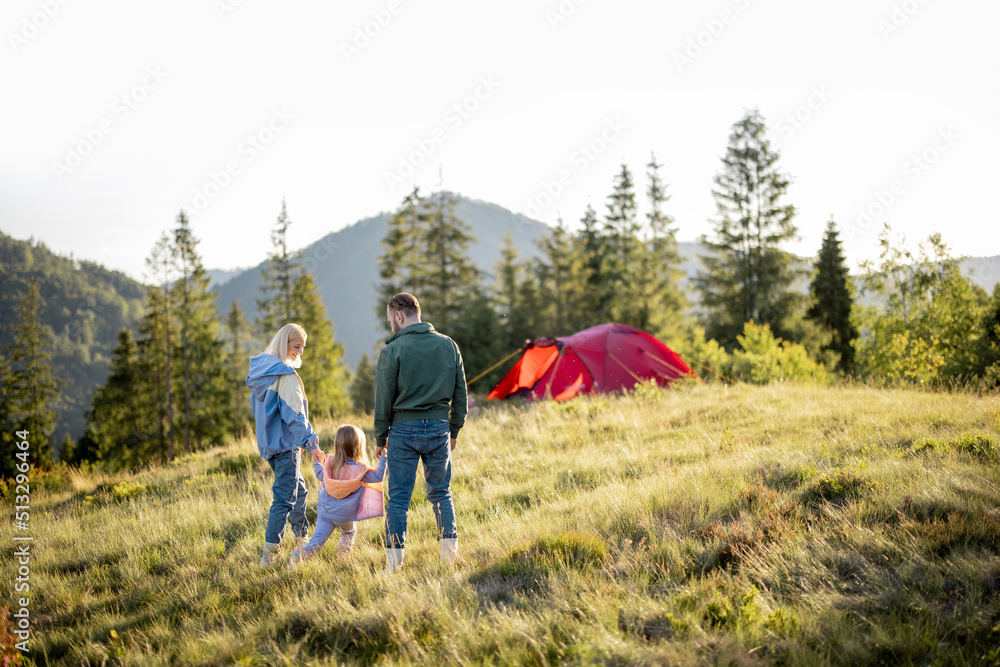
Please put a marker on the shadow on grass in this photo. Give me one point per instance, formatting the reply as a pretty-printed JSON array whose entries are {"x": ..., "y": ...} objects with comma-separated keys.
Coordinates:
[{"x": 526, "y": 569}]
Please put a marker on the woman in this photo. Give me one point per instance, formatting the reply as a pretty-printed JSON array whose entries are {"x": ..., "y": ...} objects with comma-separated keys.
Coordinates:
[{"x": 281, "y": 414}]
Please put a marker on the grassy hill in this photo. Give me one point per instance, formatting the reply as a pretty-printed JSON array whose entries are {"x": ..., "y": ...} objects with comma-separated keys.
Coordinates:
[{"x": 708, "y": 525}]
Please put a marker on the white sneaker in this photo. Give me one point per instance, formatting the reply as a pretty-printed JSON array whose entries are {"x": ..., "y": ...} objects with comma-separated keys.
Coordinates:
[
  {"x": 449, "y": 549},
  {"x": 393, "y": 560},
  {"x": 270, "y": 553}
]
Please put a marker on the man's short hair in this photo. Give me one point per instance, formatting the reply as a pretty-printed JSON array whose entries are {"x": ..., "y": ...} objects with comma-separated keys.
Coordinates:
[{"x": 405, "y": 303}]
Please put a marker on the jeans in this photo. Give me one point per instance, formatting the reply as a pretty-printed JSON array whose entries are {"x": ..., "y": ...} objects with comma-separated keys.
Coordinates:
[
  {"x": 289, "y": 502},
  {"x": 410, "y": 442},
  {"x": 324, "y": 529}
]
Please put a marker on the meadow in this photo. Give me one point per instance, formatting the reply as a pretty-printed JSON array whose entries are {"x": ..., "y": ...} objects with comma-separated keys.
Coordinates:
[{"x": 784, "y": 524}]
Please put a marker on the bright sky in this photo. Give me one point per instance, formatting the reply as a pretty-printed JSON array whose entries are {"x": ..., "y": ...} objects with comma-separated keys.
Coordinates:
[{"x": 119, "y": 113}]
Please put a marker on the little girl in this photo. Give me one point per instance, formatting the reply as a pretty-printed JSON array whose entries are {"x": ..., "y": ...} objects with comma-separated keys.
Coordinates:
[{"x": 348, "y": 492}]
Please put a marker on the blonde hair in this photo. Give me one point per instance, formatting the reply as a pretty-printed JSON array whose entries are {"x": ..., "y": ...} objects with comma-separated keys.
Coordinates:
[
  {"x": 348, "y": 445},
  {"x": 279, "y": 344}
]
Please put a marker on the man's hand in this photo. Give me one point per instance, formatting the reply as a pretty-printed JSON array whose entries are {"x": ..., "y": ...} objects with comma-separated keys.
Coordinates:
[
  {"x": 318, "y": 455},
  {"x": 454, "y": 443},
  {"x": 380, "y": 450}
]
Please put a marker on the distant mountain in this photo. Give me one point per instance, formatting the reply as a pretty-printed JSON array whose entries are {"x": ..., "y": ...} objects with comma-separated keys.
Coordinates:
[
  {"x": 83, "y": 304},
  {"x": 219, "y": 277},
  {"x": 346, "y": 269},
  {"x": 984, "y": 271}
]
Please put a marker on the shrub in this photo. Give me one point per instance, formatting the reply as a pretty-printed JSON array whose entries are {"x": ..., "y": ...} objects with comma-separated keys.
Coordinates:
[
  {"x": 764, "y": 358},
  {"x": 838, "y": 485},
  {"x": 128, "y": 490}
]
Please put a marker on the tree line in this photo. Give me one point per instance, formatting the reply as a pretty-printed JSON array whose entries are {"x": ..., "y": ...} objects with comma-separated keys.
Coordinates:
[{"x": 176, "y": 382}]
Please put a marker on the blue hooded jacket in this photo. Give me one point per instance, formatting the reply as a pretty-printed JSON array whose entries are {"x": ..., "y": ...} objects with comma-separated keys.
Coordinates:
[{"x": 280, "y": 409}]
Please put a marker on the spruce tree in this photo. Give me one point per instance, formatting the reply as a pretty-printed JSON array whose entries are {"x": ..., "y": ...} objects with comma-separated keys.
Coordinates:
[
  {"x": 746, "y": 275},
  {"x": 275, "y": 306},
  {"x": 238, "y": 331},
  {"x": 323, "y": 373},
  {"x": 399, "y": 264},
  {"x": 448, "y": 280},
  {"x": 594, "y": 248},
  {"x": 33, "y": 388},
  {"x": 363, "y": 386},
  {"x": 661, "y": 272},
  {"x": 206, "y": 415},
  {"x": 563, "y": 282},
  {"x": 157, "y": 339},
  {"x": 7, "y": 426},
  {"x": 120, "y": 419},
  {"x": 623, "y": 261},
  {"x": 516, "y": 297},
  {"x": 831, "y": 299}
]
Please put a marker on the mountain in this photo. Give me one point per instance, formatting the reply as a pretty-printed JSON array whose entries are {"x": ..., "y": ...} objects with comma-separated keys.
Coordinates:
[
  {"x": 84, "y": 305},
  {"x": 984, "y": 271},
  {"x": 345, "y": 266}
]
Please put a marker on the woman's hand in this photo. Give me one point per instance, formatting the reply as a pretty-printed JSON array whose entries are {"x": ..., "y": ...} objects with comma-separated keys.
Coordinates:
[{"x": 318, "y": 455}]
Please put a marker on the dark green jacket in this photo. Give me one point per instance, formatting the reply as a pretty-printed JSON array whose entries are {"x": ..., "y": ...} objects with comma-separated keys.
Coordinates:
[{"x": 419, "y": 374}]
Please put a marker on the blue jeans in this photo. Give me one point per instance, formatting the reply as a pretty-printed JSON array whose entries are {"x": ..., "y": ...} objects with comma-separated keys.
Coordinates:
[
  {"x": 410, "y": 442},
  {"x": 324, "y": 529},
  {"x": 289, "y": 502}
]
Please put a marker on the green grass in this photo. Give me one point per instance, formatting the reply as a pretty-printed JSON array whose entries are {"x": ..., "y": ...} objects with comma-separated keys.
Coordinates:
[{"x": 714, "y": 525}]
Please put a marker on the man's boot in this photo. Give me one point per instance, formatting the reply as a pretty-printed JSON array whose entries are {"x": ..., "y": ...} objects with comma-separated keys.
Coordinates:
[
  {"x": 449, "y": 549},
  {"x": 393, "y": 560},
  {"x": 270, "y": 553}
]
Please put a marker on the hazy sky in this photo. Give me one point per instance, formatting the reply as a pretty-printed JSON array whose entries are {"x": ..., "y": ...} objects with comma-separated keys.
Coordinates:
[{"x": 118, "y": 114}]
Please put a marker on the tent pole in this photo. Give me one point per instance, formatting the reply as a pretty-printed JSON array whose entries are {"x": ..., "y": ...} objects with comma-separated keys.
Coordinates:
[{"x": 502, "y": 361}]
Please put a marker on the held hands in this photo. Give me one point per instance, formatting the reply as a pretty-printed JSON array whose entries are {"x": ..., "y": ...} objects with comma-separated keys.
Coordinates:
[{"x": 318, "y": 455}]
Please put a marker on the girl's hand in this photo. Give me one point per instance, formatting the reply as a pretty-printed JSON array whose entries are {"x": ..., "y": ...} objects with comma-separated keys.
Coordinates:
[{"x": 318, "y": 455}]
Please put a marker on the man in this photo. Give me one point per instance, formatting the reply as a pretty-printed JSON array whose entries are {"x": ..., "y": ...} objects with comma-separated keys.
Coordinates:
[{"x": 420, "y": 406}]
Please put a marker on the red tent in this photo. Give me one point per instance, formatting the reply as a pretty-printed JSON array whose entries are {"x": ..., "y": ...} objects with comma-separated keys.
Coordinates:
[{"x": 605, "y": 358}]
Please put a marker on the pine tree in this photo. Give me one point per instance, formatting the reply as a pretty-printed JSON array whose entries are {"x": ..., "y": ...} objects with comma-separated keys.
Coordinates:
[
  {"x": 831, "y": 299},
  {"x": 275, "y": 307},
  {"x": 746, "y": 275},
  {"x": 33, "y": 388},
  {"x": 323, "y": 373},
  {"x": 661, "y": 270},
  {"x": 206, "y": 417},
  {"x": 238, "y": 331},
  {"x": 363, "y": 386}
]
